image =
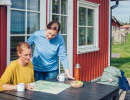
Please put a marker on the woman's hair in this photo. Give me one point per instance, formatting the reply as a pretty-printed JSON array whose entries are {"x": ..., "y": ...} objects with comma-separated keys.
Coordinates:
[
  {"x": 22, "y": 46},
  {"x": 54, "y": 25}
]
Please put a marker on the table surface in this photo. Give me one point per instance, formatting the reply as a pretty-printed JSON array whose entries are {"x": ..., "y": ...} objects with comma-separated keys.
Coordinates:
[{"x": 90, "y": 91}]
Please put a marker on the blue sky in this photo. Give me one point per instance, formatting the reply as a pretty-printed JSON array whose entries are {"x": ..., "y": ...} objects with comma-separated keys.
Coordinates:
[{"x": 122, "y": 12}]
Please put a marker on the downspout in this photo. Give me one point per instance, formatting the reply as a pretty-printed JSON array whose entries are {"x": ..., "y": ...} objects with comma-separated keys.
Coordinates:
[{"x": 117, "y": 3}]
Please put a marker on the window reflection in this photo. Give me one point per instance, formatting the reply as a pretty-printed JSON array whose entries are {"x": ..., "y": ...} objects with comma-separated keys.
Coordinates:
[
  {"x": 23, "y": 22},
  {"x": 86, "y": 26},
  {"x": 82, "y": 36},
  {"x": 90, "y": 37},
  {"x": 32, "y": 22},
  {"x": 55, "y": 17},
  {"x": 86, "y": 36},
  {"x": 17, "y": 22},
  {"x": 56, "y": 6},
  {"x": 65, "y": 40},
  {"x": 19, "y": 4},
  {"x": 90, "y": 17},
  {"x": 63, "y": 25},
  {"x": 64, "y": 6},
  {"x": 59, "y": 13},
  {"x": 33, "y": 5},
  {"x": 82, "y": 16},
  {"x": 14, "y": 41},
  {"x": 86, "y": 16}
]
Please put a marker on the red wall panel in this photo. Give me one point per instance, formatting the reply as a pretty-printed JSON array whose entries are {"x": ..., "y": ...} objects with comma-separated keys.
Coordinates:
[
  {"x": 3, "y": 38},
  {"x": 93, "y": 63}
]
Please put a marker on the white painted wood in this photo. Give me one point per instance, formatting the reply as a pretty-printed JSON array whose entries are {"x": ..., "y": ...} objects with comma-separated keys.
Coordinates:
[
  {"x": 5, "y": 2},
  {"x": 8, "y": 35},
  {"x": 95, "y": 46},
  {"x": 43, "y": 14},
  {"x": 70, "y": 35}
]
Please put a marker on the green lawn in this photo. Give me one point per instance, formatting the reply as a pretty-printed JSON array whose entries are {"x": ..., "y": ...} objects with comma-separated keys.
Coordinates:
[{"x": 123, "y": 63}]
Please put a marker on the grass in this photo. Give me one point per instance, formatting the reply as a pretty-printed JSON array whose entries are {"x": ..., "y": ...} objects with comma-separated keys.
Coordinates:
[{"x": 123, "y": 63}]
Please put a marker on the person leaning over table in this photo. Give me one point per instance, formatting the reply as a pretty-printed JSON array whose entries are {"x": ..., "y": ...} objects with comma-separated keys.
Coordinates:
[
  {"x": 20, "y": 70},
  {"x": 49, "y": 46}
]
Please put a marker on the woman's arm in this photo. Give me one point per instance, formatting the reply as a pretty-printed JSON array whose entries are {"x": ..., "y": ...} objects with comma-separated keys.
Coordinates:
[
  {"x": 68, "y": 74},
  {"x": 14, "y": 87},
  {"x": 5, "y": 79},
  {"x": 9, "y": 87}
]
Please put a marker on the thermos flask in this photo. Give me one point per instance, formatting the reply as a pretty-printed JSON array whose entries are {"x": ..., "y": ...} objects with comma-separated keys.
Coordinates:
[{"x": 77, "y": 72}]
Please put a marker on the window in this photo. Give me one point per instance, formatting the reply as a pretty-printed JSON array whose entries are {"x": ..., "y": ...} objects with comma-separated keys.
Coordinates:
[
  {"x": 87, "y": 27},
  {"x": 25, "y": 19},
  {"x": 59, "y": 10}
]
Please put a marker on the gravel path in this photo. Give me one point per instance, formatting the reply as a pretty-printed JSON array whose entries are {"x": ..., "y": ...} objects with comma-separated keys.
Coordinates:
[{"x": 115, "y": 55}]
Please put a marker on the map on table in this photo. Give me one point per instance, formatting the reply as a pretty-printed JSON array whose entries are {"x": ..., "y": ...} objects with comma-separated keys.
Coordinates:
[{"x": 49, "y": 87}]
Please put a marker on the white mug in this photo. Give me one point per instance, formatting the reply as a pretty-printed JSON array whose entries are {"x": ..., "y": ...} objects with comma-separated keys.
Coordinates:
[
  {"x": 20, "y": 87},
  {"x": 61, "y": 77}
]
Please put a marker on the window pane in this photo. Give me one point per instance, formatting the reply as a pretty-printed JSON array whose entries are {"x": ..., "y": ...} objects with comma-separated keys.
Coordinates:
[
  {"x": 14, "y": 41},
  {"x": 63, "y": 25},
  {"x": 28, "y": 37},
  {"x": 86, "y": 36},
  {"x": 90, "y": 17},
  {"x": 17, "y": 22},
  {"x": 65, "y": 40},
  {"x": 19, "y": 4},
  {"x": 82, "y": 16},
  {"x": 32, "y": 22},
  {"x": 64, "y": 7},
  {"x": 90, "y": 39},
  {"x": 55, "y": 6},
  {"x": 33, "y": 5},
  {"x": 55, "y": 17},
  {"x": 61, "y": 68},
  {"x": 82, "y": 36}
]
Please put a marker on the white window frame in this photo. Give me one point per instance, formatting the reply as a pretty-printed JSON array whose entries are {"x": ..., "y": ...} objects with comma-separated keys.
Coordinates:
[
  {"x": 69, "y": 33},
  {"x": 42, "y": 24},
  {"x": 94, "y": 47}
]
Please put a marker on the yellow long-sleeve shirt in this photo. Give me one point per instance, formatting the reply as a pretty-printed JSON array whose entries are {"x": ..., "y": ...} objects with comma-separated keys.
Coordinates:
[{"x": 16, "y": 73}]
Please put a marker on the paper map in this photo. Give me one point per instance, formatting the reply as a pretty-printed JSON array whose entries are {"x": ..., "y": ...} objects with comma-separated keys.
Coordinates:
[{"x": 49, "y": 87}]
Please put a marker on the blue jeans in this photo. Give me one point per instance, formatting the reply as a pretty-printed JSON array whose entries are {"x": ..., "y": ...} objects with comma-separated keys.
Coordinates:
[{"x": 45, "y": 75}]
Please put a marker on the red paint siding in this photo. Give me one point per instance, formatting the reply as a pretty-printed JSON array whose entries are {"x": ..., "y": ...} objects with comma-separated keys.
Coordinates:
[
  {"x": 3, "y": 38},
  {"x": 93, "y": 63}
]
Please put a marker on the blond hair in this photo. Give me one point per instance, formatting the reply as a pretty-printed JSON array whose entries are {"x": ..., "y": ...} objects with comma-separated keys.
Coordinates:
[{"x": 22, "y": 46}]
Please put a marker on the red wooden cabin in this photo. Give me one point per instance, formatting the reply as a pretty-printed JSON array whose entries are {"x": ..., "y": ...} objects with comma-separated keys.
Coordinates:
[{"x": 85, "y": 27}]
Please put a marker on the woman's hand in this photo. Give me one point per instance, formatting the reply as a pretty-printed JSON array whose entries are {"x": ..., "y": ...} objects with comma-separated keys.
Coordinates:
[
  {"x": 70, "y": 77},
  {"x": 68, "y": 74},
  {"x": 29, "y": 87}
]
